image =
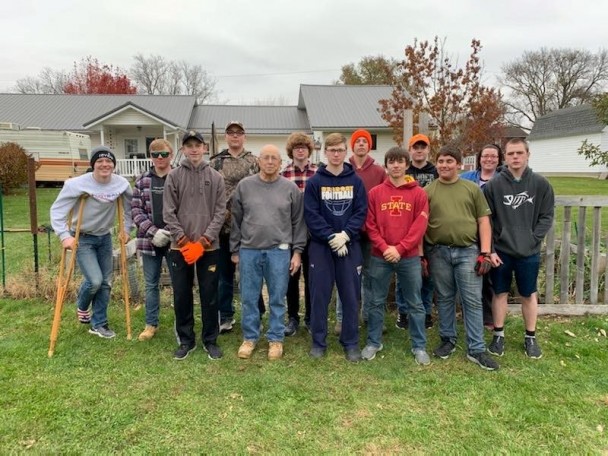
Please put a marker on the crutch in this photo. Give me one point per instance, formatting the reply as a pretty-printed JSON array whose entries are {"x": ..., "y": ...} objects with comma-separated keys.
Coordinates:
[
  {"x": 63, "y": 280},
  {"x": 124, "y": 273}
]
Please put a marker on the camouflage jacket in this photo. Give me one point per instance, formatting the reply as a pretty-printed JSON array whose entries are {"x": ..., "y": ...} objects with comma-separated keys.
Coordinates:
[{"x": 233, "y": 169}]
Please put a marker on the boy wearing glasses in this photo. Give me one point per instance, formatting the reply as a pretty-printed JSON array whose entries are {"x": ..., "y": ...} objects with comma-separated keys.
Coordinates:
[
  {"x": 234, "y": 163},
  {"x": 335, "y": 207},
  {"x": 152, "y": 237},
  {"x": 194, "y": 209}
]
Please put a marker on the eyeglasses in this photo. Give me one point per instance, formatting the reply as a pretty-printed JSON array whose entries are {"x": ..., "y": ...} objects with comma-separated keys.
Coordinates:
[
  {"x": 490, "y": 156},
  {"x": 160, "y": 154},
  {"x": 235, "y": 133},
  {"x": 300, "y": 147},
  {"x": 270, "y": 158},
  {"x": 335, "y": 151}
]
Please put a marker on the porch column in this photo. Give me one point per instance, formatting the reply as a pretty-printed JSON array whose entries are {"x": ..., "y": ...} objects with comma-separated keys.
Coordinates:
[{"x": 102, "y": 137}]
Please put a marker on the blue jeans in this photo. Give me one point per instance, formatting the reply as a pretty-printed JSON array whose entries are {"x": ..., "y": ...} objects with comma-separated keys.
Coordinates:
[
  {"x": 409, "y": 274},
  {"x": 94, "y": 256},
  {"x": 152, "y": 267},
  {"x": 426, "y": 292},
  {"x": 257, "y": 265},
  {"x": 453, "y": 271}
]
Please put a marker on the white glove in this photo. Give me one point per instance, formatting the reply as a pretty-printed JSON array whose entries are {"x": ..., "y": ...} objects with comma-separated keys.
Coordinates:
[
  {"x": 161, "y": 238},
  {"x": 342, "y": 251},
  {"x": 338, "y": 240}
]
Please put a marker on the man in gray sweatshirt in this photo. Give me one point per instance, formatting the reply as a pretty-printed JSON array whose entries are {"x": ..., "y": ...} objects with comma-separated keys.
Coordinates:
[
  {"x": 522, "y": 204},
  {"x": 267, "y": 226},
  {"x": 100, "y": 189}
]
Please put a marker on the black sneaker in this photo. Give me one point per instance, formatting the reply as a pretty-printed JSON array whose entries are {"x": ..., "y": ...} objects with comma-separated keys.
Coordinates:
[
  {"x": 497, "y": 346},
  {"x": 483, "y": 360},
  {"x": 213, "y": 351},
  {"x": 183, "y": 351},
  {"x": 402, "y": 322},
  {"x": 532, "y": 349},
  {"x": 445, "y": 349},
  {"x": 103, "y": 331},
  {"x": 291, "y": 327},
  {"x": 226, "y": 325},
  {"x": 428, "y": 321},
  {"x": 316, "y": 352},
  {"x": 353, "y": 355}
]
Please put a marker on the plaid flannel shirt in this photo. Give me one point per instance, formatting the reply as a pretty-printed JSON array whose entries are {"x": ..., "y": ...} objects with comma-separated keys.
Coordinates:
[
  {"x": 141, "y": 211},
  {"x": 299, "y": 176}
]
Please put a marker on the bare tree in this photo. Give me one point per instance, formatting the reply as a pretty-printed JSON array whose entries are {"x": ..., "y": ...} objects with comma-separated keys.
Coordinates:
[
  {"x": 155, "y": 75},
  {"x": 542, "y": 81},
  {"x": 47, "y": 81},
  {"x": 370, "y": 70}
]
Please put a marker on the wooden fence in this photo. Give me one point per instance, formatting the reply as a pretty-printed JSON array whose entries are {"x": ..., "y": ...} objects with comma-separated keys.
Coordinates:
[{"x": 580, "y": 263}]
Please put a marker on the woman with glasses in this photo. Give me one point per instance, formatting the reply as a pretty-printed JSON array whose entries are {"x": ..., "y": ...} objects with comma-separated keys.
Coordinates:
[{"x": 489, "y": 161}]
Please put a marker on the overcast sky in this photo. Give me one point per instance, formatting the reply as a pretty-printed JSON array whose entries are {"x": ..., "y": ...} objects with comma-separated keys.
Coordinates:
[{"x": 263, "y": 49}]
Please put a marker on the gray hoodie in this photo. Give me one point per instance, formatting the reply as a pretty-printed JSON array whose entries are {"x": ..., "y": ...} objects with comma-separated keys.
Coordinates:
[{"x": 194, "y": 203}]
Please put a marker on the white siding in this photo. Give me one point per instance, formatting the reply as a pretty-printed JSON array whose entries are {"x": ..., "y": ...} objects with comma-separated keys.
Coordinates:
[
  {"x": 130, "y": 117},
  {"x": 559, "y": 155}
]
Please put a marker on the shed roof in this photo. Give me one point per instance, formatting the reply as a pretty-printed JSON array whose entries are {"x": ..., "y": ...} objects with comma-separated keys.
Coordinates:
[
  {"x": 344, "y": 106},
  {"x": 69, "y": 112},
  {"x": 577, "y": 120}
]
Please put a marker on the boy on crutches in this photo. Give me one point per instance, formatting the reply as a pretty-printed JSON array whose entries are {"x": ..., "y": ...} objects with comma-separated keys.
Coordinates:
[{"x": 94, "y": 249}]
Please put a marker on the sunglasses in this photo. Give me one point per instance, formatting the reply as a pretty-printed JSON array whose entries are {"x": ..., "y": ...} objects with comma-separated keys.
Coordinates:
[{"x": 160, "y": 154}]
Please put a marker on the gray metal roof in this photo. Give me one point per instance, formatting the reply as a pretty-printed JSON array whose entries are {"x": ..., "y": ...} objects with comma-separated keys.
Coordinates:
[
  {"x": 70, "y": 112},
  {"x": 255, "y": 119},
  {"x": 578, "y": 120},
  {"x": 344, "y": 106}
]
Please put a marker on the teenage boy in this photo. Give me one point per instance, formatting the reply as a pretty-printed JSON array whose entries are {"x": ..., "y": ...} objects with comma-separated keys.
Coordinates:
[
  {"x": 194, "y": 206},
  {"x": 299, "y": 170},
  {"x": 458, "y": 240},
  {"x": 335, "y": 207},
  {"x": 101, "y": 188},
  {"x": 234, "y": 163},
  {"x": 371, "y": 174},
  {"x": 267, "y": 238},
  {"x": 152, "y": 237},
  {"x": 397, "y": 217},
  {"x": 419, "y": 148},
  {"x": 522, "y": 204}
]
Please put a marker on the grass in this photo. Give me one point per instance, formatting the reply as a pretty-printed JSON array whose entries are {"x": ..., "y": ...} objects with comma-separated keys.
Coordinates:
[
  {"x": 119, "y": 396},
  {"x": 109, "y": 396}
]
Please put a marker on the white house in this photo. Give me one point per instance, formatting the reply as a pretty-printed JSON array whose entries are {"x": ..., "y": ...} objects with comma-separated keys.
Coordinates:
[{"x": 556, "y": 137}]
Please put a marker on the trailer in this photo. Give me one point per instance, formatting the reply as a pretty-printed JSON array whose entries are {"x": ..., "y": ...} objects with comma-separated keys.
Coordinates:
[{"x": 59, "y": 154}]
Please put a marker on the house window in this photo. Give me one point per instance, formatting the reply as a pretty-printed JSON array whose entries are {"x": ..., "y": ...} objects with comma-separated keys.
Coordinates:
[
  {"x": 374, "y": 142},
  {"x": 131, "y": 148},
  {"x": 83, "y": 154}
]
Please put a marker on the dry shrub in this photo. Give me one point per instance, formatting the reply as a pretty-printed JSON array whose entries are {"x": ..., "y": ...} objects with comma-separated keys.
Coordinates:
[{"x": 13, "y": 166}]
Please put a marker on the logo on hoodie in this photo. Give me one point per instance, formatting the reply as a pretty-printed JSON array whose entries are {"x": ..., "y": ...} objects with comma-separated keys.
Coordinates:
[
  {"x": 337, "y": 199},
  {"x": 517, "y": 200}
]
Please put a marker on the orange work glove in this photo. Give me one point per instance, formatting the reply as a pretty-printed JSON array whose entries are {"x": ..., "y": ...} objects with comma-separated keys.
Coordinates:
[{"x": 192, "y": 251}]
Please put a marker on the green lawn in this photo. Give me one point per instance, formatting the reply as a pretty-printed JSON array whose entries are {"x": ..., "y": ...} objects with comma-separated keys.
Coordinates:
[{"x": 100, "y": 396}]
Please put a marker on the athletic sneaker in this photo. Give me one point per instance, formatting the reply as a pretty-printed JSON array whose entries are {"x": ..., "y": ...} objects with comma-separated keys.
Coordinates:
[
  {"x": 369, "y": 352},
  {"x": 316, "y": 352},
  {"x": 183, "y": 351},
  {"x": 445, "y": 349},
  {"x": 213, "y": 351},
  {"x": 402, "y": 322},
  {"x": 291, "y": 327},
  {"x": 483, "y": 360},
  {"x": 226, "y": 325},
  {"x": 103, "y": 331},
  {"x": 84, "y": 316},
  {"x": 497, "y": 346},
  {"x": 421, "y": 356},
  {"x": 532, "y": 349},
  {"x": 353, "y": 355}
]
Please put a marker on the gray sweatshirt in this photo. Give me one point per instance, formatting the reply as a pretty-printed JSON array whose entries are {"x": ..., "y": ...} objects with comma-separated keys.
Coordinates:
[
  {"x": 267, "y": 214},
  {"x": 99, "y": 210}
]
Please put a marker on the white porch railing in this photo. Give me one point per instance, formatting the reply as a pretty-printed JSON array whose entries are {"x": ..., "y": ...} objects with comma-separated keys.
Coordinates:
[{"x": 132, "y": 167}]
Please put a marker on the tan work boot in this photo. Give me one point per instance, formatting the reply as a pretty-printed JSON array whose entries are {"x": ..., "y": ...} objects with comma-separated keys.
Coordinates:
[
  {"x": 246, "y": 349},
  {"x": 147, "y": 333},
  {"x": 275, "y": 350}
]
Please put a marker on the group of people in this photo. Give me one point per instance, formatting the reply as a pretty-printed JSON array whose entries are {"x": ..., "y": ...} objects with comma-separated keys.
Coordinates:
[{"x": 352, "y": 224}]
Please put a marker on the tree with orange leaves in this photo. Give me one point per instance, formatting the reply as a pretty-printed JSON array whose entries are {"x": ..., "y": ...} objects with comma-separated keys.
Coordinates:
[
  {"x": 427, "y": 81},
  {"x": 89, "y": 77}
]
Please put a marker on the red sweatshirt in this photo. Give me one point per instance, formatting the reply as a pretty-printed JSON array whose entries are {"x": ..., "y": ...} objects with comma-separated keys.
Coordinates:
[
  {"x": 371, "y": 173},
  {"x": 397, "y": 216}
]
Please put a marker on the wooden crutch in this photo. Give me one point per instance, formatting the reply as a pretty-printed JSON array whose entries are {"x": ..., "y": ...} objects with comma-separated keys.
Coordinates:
[
  {"x": 124, "y": 273},
  {"x": 63, "y": 280}
]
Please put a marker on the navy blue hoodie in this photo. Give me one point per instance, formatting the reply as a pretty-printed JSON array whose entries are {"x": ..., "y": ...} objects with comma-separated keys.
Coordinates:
[
  {"x": 334, "y": 203},
  {"x": 522, "y": 212}
]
